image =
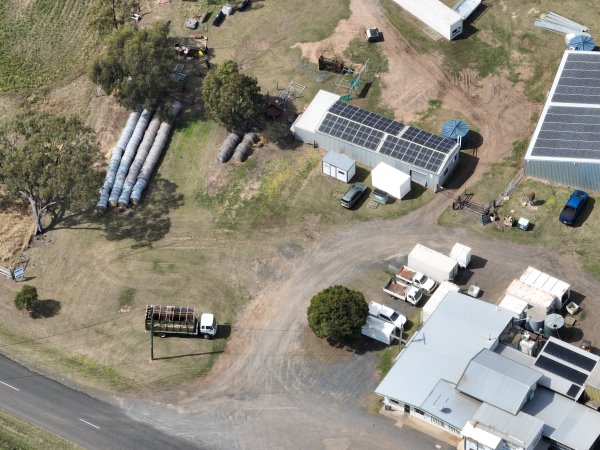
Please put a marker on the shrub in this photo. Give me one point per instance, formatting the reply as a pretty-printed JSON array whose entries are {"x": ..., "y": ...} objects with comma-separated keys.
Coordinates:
[{"x": 26, "y": 298}]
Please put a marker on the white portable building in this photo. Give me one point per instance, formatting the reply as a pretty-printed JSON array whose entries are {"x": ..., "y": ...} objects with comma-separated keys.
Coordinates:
[
  {"x": 435, "y": 265},
  {"x": 534, "y": 296},
  {"x": 434, "y": 301},
  {"x": 379, "y": 330},
  {"x": 436, "y": 15},
  {"x": 515, "y": 305},
  {"x": 548, "y": 283},
  {"x": 339, "y": 166},
  {"x": 390, "y": 180},
  {"x": 461, "y": 254}
]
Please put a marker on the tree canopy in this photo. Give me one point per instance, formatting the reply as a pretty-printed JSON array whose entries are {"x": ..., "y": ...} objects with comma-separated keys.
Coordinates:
[
  {"x": 49, "y": 161},
  {"x": 106, "y": 16},
  {"x": 231, "y": 98},
  {"x": 136, "y": 66},
  {"x": 337, "y": 313},
  {"x": 26, "y": 298}
]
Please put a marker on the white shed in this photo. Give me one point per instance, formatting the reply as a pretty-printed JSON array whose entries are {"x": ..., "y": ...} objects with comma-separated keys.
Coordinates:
[
  {"x": 390, "y": 180},
  {"x": 339, "y": 166},
  {"x": 515, "y": 305},
  {"x": 461, "y": 254},
  {"x": 436, "y": 15},
  {"x": 380, "y": 330}
]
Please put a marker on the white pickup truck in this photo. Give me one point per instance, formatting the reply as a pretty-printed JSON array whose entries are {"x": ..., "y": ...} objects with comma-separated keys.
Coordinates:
[
  {"x": 416, "y": 279},
  {"x": 399, "y": 289},
  {"x": 386, "y": 314}
]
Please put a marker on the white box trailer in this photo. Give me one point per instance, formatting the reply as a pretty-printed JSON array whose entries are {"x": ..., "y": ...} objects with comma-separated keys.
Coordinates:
[
  {"x": 436, "y": 15},
  {"x": 517, "y": 306},
  {"x": 380, "y": 330},
  {"x": 434, "y": 301},
  {"x": 339, "y": 166},
  {"x": 435, "y": 265},
  {"x": 548, "y": 283},
  {"x": 534, "y": 296},
  {"x": 390, "y": 180},
  {"x": 461, "y": 254}
]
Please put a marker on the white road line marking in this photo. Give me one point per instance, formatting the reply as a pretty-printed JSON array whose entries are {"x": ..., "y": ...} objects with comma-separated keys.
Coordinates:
[
  {"x": 6, "y": 384},
  {"x": 90, "y": 424}
]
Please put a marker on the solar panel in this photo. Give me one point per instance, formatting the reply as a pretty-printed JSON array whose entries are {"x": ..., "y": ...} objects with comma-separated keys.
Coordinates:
[
  {"x": 573, "y": 390},
  {"x": 577, "y": 359},
  {"x": 561, "y": 370},
  {"x": 367, "y": 129}
]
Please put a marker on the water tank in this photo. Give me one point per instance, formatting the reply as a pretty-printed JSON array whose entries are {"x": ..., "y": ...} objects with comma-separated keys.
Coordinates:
[
  {"x": 457, "y": 130},
  {"x": 537, "y": 318},
  {"x": 553, "y": 325},
  {"x": 582, "y": 42}
]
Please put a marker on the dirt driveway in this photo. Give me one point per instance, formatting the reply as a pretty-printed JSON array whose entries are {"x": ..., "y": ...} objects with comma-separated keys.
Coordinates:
[{"x": 277, "y": 387}]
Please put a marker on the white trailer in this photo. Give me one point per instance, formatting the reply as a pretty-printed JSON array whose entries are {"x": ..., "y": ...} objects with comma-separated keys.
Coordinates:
[
  {"x": 434, "y": 301},
  {"x": 548, "y": 283},
  {"x": 435, "y": 265},
  {"x": 461, "y": 254},
  {"x": 534, "y": 296},
  {"x": 436, "y": 15},
  {"x": 390, "y": 180},
  {"x": 380, "y": 330}
]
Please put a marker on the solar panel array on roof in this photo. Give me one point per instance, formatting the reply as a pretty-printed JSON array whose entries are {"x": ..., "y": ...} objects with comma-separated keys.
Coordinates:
[
  {"x": 570, "y": 356},
  {"x": 552, "y": 366},
  {"x": 579, "y": 81},
  {"x": 366, "y": 129},
  {"x": 351, "y": 131},
  {"x": 569, "y": 132}
]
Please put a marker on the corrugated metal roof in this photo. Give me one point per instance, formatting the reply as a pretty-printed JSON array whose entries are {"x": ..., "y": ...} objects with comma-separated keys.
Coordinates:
[
  {"x": 338, "y": 160},
  {"x": 594, "y": 378},
  {"x": 522, "y": 427},
  {"x": 450, "y": 405},
  {"x": 497, "y": 380},
  {"x": 312, "y": 115},
  {"x": 515, "y": 355},
  {"x": 565, "y": 421},
  {"x": 456, "y": 331}
]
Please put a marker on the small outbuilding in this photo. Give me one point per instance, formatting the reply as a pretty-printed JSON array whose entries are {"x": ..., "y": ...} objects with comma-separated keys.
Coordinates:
[
  {"x": 390, "y": 180},
  {"x": 339, "y": 166}
]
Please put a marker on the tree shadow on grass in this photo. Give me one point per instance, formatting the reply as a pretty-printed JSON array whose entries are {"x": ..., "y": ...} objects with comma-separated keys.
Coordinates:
[
  {"x": 45, "y": 309},
  {"x": 147, "y": 222}
]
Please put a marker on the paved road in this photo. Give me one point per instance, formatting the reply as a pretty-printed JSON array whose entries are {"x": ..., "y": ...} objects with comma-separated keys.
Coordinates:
[{"x": 74, "y": 415}]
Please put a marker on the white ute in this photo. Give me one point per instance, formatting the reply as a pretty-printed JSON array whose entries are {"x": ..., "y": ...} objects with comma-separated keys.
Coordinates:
[
  {"x": 387, "y": 314},
  {"x": 417, "y": 279}
]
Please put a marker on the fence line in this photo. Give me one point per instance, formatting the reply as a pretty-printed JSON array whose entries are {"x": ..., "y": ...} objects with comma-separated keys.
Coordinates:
[{"x": 6, "y": 272}]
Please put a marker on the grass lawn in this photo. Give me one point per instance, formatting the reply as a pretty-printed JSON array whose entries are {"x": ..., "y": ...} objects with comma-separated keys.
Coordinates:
[{"x": 16, "y": 434}]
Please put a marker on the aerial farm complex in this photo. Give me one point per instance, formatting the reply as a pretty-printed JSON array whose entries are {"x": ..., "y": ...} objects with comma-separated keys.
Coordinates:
[{"x": 259, "y": 224}]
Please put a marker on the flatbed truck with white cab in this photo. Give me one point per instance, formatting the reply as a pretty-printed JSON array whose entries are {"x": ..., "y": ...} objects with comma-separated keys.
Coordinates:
[
  {"x": 416, "y": 279},
  {"x": 167, "y": 320},
  {"x": 400, "y": 290}
]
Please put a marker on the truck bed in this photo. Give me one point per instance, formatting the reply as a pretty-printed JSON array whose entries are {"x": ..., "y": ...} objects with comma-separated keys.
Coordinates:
[
  {"x": 568, "y": 214},
  {"x": 406, "y": 273},
  {"x": 395, "y": 288}
]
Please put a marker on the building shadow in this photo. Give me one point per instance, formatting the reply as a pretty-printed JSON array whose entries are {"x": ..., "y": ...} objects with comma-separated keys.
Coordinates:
[
  {"x": 576, "y": 297},
  {"x": 360, "y": 345},
  {"x": 469, "y": 28},
  {"x": 416, "y": 190},
  {"x": 466, "y": 167},
  {"x": 474, "y": 140},
  {"x": 477, "y": 262},
  {"x": 571, "y": 335},
  {"x": 45, "y": 309}
]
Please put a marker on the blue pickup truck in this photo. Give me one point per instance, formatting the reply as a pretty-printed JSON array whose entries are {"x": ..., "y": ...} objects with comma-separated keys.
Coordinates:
[{"x": 573, "y": 208}]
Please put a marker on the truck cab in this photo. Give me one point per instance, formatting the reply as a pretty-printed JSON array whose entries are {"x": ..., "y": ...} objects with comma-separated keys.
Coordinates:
[
  {"x": 424, "y": 282},
  {"x": 207, "y": 327},
  {"x": 573, "y": 208}
]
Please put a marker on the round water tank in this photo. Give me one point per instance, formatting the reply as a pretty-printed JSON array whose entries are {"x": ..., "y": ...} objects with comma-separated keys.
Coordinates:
[
  {"x": 553, "y": 325},
  {"x": 582, "y": 42},
  {"x": 456, "y": 130},
  {"x": 537, "y": 317}
]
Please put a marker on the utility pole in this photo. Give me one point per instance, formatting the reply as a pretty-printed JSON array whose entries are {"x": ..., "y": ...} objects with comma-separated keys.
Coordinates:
[{"x": 152, "y": 336}]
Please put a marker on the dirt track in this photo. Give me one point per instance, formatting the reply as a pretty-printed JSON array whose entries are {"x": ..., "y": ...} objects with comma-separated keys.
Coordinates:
[{"x": 275, "y": 387}]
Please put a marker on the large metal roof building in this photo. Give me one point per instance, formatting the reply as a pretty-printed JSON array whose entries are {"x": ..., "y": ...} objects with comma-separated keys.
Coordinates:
[
  {"x": 565, "y": 148},
  {"x": 370, "y": 139}
]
